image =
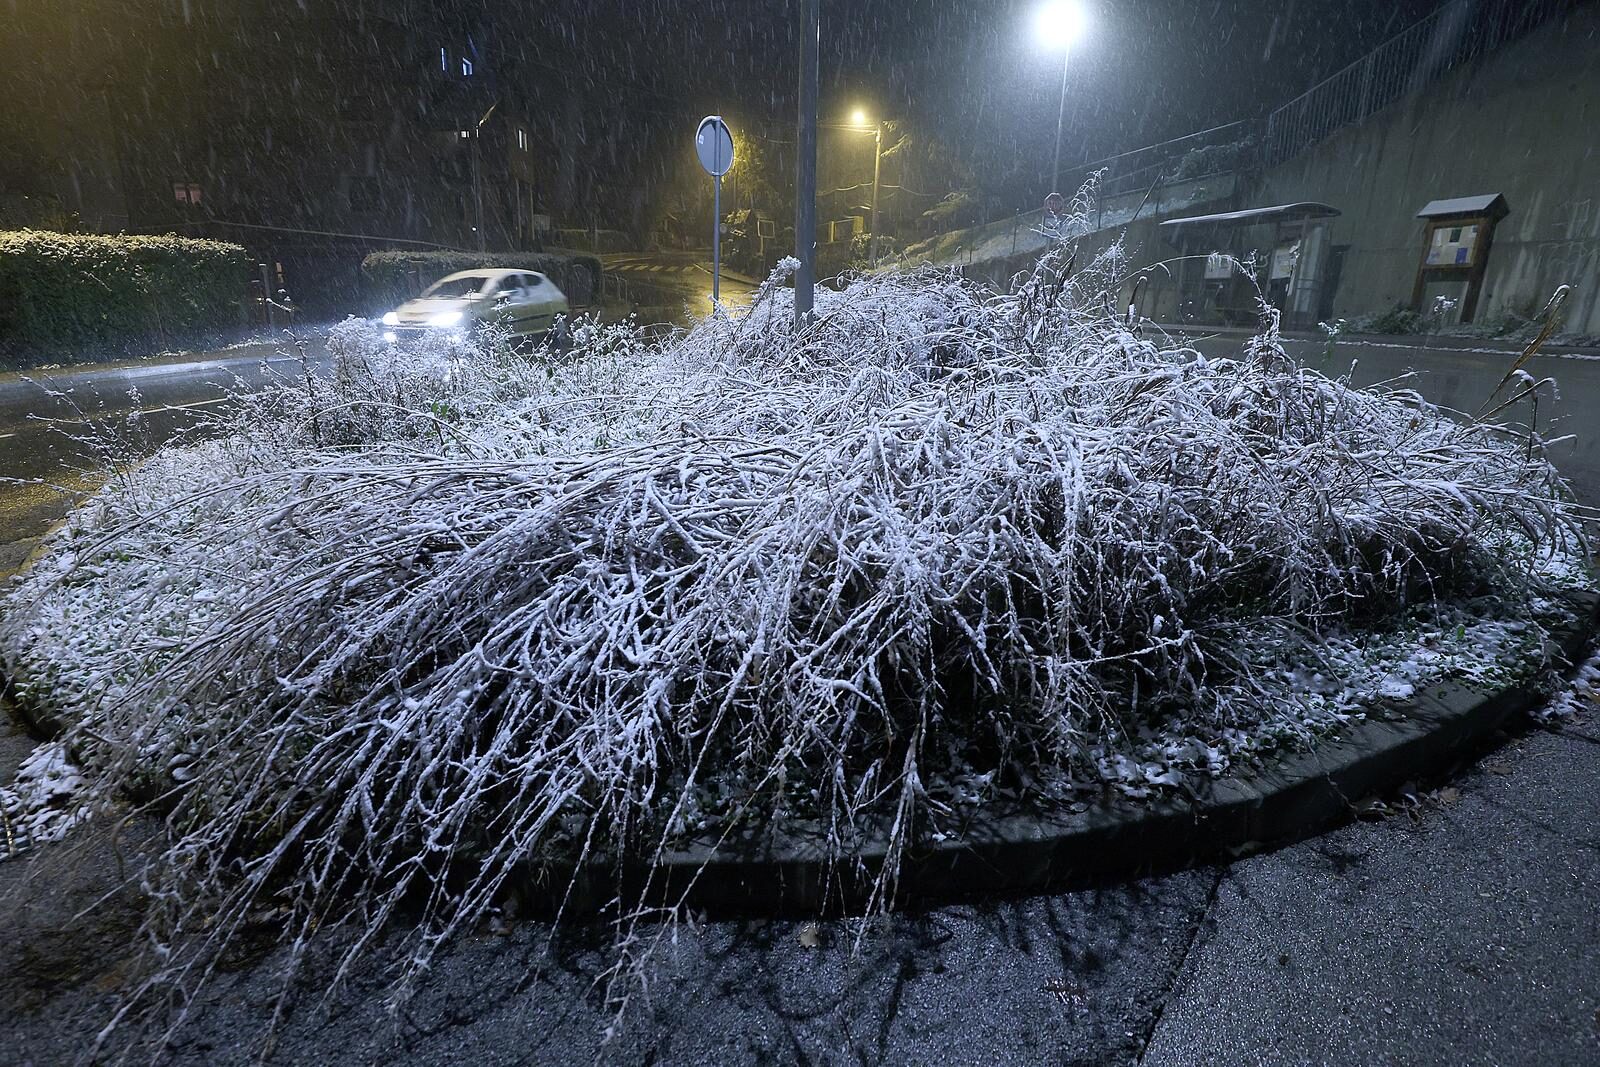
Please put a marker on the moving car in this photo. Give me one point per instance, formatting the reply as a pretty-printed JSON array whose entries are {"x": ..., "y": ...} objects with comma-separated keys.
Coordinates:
[{"x": 523, "y": 301}]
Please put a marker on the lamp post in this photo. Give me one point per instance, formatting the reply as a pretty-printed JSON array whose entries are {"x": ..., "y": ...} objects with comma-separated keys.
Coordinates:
[
  {"x": 877, "y": 167},
  {"x": 1058, "y": 25},
  {"x": 858, "y": 120},
  {"x": 477, "y": 180}
]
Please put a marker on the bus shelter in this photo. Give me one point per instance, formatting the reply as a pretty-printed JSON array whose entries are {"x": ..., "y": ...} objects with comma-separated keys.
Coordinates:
[{"x": 1232, "y": 260}]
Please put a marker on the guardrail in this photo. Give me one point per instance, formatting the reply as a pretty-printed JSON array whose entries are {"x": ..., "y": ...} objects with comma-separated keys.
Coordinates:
[{"x": 1218, "y": 150}]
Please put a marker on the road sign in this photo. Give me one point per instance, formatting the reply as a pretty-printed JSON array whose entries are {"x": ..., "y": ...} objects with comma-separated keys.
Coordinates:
[{"x": 713, "y": 143}]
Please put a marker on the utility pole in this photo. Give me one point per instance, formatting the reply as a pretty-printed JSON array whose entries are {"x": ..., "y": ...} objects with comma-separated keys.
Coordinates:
[
  {"x": 477, "y": 177},
  {"x": 477, "y": 190},
  {"x": 877, "y": 166},
  {"x": 1061, "y": 121},
  {"x": 805, "y": 207}
]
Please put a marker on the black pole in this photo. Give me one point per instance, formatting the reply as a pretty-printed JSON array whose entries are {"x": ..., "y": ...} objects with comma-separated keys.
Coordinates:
[
  {"x": 477, "y": 187},
  {"x": 805, "y": 206},
  {"x": 1061, "y": 121}
]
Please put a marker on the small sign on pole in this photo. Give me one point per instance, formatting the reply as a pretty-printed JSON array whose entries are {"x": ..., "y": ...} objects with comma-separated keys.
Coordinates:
[
  {"x": 713, "y": 142},
  {"x": 1054, "y": 213}
]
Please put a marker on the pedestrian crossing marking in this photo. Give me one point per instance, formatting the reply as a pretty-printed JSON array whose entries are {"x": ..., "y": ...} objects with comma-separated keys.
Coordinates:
[{"x": 643, "y": 266}]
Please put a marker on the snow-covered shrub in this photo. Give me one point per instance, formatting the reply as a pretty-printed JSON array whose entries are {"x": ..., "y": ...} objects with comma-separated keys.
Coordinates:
[
  {"x": 930, "y": 544},
  {"x": 43, "y": 802},
  {"x": 68, "y": 292},
  {"x": 385, "y": 391},
  {"x": 1397, "y": 320}
]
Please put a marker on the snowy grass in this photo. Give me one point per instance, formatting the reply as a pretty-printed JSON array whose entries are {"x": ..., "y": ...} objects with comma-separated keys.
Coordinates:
[
  {"x": 45, "y": 800},
  {"x": 441, "y": 620}
]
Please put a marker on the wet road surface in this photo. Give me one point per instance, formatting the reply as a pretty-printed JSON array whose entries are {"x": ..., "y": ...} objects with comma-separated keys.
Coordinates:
[
  {"x": 674, "y": 285},
  {"x": 1457, "y": 934},
  {"x": 61, "y": 428}
]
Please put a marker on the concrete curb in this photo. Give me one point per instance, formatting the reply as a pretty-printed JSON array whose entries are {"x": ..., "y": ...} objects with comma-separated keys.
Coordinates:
[
  {"x": 1027, "y": 851},
  {"x": 1017, "y": 851},
  {"x": 14, "y": 703}
]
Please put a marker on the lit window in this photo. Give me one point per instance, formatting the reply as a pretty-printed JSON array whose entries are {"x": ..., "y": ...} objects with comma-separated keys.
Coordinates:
[
  {"x": 522, "y": 138},
  {"x": 186, "y": 192},
  {"x": 465, "y": 134},
  {"x": 444, "y": 60},
  {"x": 466, "y": 67}
]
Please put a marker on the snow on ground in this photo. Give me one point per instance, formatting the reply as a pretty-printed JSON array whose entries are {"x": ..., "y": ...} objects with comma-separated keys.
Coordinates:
[
  {"x": 1580, "y": 694},
  {"x": 45, "y": 800},
  {"x": 1032, "y": 232}
]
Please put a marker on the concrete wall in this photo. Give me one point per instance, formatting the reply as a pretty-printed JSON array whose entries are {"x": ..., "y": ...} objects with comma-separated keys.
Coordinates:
[{"x": 1524, "y": 122}]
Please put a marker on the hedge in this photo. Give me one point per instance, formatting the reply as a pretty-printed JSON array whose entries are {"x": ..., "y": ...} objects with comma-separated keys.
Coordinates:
[
  {"x": 94, "y": 295},
  {"x": 391, "y": 278}
]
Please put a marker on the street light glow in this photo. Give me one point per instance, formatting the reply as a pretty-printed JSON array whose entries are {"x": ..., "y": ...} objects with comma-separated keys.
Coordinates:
[
  {"x": 1060, "y": 24},
  {"x": 858, "y": 117}
]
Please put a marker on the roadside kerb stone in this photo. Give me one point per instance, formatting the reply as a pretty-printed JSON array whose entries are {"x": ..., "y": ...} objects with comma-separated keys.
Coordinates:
[
  {"x": 1016, "y": 851},
  {"x": 16, "y": 701},
  {"x": 789, "y": 870}
]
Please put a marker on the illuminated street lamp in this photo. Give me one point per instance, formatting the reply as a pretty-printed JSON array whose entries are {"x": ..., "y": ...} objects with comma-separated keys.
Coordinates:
[
  {"x": 1058, "y": 25},
  {"x": 860, "y": 123},
  {"x": 858, "y": 119}
]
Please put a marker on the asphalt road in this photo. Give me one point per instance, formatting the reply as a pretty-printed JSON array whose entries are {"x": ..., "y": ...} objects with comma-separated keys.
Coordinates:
[
  {"x": 674, "y": 285},
  {"x": 62, "y": 428},
  {"x": 46, "y": 463}
]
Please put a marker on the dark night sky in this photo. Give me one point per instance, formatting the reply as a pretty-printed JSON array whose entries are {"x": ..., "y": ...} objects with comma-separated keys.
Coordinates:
[
  {"x": 616, "y": 86},
  {"x": 969, "y": 69}
]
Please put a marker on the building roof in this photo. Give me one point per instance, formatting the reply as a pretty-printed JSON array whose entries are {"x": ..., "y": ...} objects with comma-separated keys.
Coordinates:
[
  {"x": 1463, "y": 205},
  {"x": 1306, "y": 209}
]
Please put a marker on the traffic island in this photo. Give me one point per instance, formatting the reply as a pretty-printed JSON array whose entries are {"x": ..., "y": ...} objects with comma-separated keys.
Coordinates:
[
  {"x": 783, "y": 613},
  {"x": 1017, "y": 848}
]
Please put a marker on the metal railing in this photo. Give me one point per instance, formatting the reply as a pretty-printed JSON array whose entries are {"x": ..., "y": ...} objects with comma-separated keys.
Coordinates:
[
  {"x": 1417, "y": 55},
  {"x": 1196, "y": 155}
]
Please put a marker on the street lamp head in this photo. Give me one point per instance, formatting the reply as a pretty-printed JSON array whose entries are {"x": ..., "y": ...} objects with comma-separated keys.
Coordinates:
[
  {"x": 858, "y": 117},
  {"x": 1060, "y": 24}
]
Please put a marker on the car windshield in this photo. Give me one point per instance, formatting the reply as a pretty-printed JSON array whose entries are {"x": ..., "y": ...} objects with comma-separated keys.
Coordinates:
[{"x": 453, "y": 288}]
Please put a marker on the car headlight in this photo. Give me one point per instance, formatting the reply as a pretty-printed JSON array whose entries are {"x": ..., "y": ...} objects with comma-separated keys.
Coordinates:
[
  {"x": 448, "y": 318},
  {"x": 391, "y": 319}
]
